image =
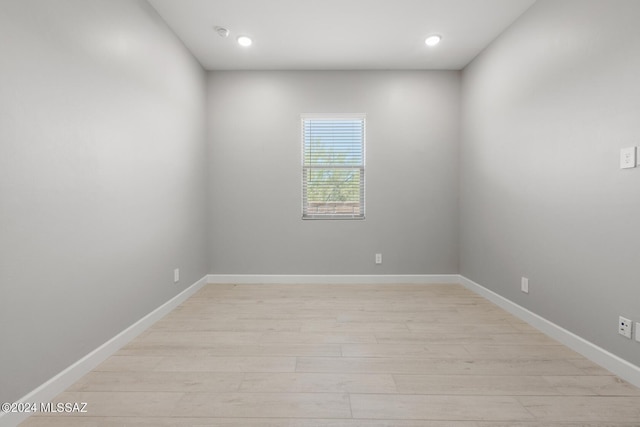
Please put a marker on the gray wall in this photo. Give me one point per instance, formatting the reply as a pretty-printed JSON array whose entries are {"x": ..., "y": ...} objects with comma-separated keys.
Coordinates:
[
  {"x": 103, "y": 173},
  {"x": 411, "y": 181},
  {"x": 546, "y": 109},
  {"x": 102, "y": 178}
]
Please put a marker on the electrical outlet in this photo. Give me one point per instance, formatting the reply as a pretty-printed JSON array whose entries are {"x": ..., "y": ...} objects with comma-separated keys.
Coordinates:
[
  {"x": 628, "y": 158},
  {"x": 378, "y": 258},
  {"x": 624, "y": 327},
  {"x": 176, "y": 275},
  {"x": 524, "y": 285},
  {"x": 637, "y": 331}
]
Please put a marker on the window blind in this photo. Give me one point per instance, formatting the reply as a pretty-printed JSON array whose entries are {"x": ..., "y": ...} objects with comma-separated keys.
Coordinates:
[{"x": 333, "y": 167}]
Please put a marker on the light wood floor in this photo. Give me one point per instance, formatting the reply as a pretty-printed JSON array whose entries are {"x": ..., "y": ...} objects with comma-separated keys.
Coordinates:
[{"x": 346, "y": 356}]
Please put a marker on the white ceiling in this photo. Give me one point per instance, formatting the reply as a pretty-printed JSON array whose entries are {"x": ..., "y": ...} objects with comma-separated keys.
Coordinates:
[{"x": 338, "y": 34}]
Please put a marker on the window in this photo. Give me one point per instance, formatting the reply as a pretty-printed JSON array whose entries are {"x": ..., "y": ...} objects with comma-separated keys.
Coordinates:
[{"x": 333, "y": 166}]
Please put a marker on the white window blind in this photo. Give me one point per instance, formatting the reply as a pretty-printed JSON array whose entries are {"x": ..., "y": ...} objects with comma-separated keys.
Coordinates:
[{"x": 333, "y": 162}]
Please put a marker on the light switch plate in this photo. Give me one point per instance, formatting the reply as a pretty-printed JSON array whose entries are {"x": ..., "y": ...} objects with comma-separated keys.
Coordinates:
[{"x": 627, "y": 157}]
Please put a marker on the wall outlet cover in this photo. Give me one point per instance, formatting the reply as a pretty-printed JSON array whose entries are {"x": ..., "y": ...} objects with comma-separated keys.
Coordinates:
[
  {"x": 628, "y": 158},
  {"x": 624, "y": 327},
  {"x": 524, "y": 285}
]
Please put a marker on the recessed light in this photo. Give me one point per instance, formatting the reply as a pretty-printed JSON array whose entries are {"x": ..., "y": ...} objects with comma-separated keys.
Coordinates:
[
  {"x": 244, "y": 41},
  {"x": 433, "y": 40}
]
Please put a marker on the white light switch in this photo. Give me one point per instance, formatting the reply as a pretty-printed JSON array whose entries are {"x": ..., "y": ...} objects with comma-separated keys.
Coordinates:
[{"x": 628, "y": 157}]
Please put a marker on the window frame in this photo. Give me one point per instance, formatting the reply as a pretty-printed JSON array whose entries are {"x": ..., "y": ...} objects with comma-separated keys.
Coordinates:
[{"x": 362, "y": 167}]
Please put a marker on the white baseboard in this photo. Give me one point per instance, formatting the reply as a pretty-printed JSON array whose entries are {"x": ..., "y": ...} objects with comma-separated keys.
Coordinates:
[
  {"x": 333, "y": 278},
  {"x": 625, "y": 370},
  {"x": 73, "y": 373}
]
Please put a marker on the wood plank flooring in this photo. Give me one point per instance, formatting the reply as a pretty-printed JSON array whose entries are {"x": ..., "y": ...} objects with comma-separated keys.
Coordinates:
[{"x": 345, "y": 356}]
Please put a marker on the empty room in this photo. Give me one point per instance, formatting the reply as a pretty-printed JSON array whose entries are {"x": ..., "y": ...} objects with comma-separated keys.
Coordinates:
[{"x": 337, "y": 213}]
